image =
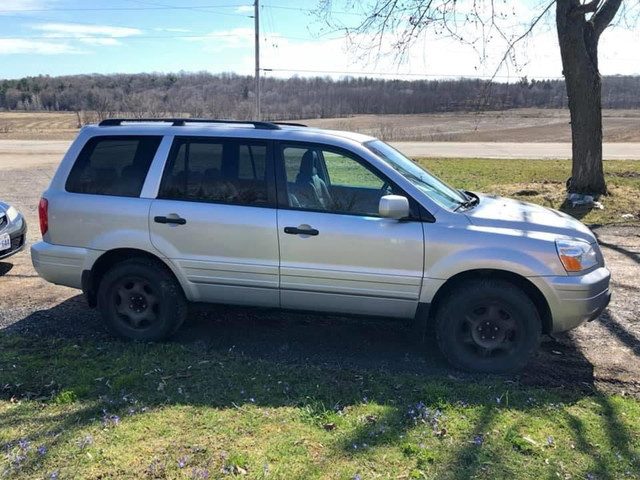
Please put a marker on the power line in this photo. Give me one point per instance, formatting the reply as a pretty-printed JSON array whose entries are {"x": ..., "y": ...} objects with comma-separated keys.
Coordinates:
[
  {"x": 100, "y": 9},
  {"x": 203, "y": 36},
  {"x": 422, "y": 75},
  {"x": 308, "y": 10}
]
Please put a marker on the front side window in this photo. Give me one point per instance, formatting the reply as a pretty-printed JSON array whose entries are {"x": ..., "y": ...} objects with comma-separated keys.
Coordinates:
[
  {"x": 326, "y": 180},
  {"x": 217, "y": 171},
  {"x": 113, "y": 165},
  {"x": 435, "y": 188}
]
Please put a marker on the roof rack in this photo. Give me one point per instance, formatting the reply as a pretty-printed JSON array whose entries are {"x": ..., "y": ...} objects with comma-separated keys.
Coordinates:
[
  {"x": 291, "y": 124},
  {"x": 181, "y": 122}
]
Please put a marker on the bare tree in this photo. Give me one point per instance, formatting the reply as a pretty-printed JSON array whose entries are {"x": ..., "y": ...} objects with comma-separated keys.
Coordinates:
[{"x": 479, "y": 22}]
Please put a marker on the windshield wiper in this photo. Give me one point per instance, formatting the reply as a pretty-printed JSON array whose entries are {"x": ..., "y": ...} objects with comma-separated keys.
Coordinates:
[{"x": 472, "y": 202}]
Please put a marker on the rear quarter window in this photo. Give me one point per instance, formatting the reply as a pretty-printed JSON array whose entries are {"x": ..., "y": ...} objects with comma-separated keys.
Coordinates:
[{"x": 113, "y": 165}]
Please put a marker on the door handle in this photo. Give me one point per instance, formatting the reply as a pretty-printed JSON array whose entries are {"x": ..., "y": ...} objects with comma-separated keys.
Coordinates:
[
  {"x": 176, "y": 221},
  {"x": 301, "y": 231}
]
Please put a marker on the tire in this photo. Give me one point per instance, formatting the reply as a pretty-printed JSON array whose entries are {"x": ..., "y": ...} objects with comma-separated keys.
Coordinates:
[
  {"x": 488, "y": 326},
  {"x": 141, "y": 300}
]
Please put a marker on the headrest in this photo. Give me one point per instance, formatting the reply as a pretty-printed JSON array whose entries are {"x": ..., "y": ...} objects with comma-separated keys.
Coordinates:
[{"x": 308, "y": 164}]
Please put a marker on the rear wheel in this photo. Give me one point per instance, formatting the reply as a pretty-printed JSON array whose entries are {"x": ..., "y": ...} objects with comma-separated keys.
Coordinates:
[
  {"x": 140, "y": 300},
  {"x": 488, "y": 326}
]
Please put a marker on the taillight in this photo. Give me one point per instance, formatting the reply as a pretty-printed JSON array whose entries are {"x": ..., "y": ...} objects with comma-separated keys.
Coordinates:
[{"x": 43, "y": 214}]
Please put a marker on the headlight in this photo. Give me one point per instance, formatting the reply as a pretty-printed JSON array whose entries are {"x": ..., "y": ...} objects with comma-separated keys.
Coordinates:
[
  {"x": 12, "y": 214},
  {"x": 576, "y": 255}
]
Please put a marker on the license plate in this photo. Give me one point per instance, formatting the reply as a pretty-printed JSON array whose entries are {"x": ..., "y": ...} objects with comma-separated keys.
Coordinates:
[{"x": 5, "y": 241}]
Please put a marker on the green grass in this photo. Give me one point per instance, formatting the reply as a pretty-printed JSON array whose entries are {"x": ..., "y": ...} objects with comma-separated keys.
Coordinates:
[
  {"x": 122, "y": 410},
  {"x": 543, "y": 182}
]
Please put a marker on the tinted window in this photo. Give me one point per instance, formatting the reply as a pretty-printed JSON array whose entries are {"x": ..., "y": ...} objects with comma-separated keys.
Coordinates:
[
  {"x": 216, "y": 171},
  {"x": 321, "y": 179},
  {"x": 113, "y": 166}
]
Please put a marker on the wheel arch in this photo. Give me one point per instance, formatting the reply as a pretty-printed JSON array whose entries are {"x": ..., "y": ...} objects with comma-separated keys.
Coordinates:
[
  {"x": 519, "y": 281},
  {"x": 91, "y": 278}
]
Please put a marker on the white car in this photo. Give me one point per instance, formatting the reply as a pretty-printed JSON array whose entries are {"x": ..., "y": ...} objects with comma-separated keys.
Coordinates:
[
  {"x": 147, "y": 215},
  {"x": 13, "y": 231}
]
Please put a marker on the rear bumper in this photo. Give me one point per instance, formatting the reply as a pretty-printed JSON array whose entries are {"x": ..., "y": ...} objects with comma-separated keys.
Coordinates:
[
  {"x": 58, "y": 264},
  {"x": 574, "y": 300},
  {"x": 18, "y": 239}
]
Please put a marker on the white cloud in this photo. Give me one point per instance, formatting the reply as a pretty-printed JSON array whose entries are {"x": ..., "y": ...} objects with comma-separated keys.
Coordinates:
[
  {"x": 175, "y": 30},
  {"x": 73, "y": 29},
  {"x": 244, "y": 9},
  {"x": 17, "y": 46},
  {"x": 22, "y": 6},
  {"x": 225, "y": 39},
  {"x": 537, "y": 56},
  {"x": 103, "y": 35}
]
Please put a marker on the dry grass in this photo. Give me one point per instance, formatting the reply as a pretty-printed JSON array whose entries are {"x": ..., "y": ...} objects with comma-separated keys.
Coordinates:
[
  {"x": 38, "y": 125},
  {"x": 521, "y": 125}
]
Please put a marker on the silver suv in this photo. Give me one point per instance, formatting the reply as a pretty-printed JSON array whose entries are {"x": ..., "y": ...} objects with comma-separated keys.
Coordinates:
[{"x": 145, "y": 216}]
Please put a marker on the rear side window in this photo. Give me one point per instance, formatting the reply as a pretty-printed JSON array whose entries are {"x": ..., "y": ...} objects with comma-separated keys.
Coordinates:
[
  {"x": 113, "y": 165},
  {"x": 216, "y": 171}
]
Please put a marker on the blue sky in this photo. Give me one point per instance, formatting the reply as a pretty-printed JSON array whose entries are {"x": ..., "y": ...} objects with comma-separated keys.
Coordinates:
[{"x": 57, "y": 37}]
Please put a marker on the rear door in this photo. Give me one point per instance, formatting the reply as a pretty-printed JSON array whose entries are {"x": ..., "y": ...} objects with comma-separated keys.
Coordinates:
[
  {"x": 215, "y": 218},
  {"x": 336, "y": 252}
]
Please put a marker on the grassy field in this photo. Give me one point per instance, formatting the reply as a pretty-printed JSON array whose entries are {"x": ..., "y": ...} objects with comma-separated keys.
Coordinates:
[
  {"x": 107, "y": 410},
  {"x": 543, "y": 182}
]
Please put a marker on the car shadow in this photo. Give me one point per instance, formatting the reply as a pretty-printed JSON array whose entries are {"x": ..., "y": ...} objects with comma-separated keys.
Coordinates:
[
  {"x": 5, "y": 268},
  {"x": 379, "y": 354},
  {"x": 318, "y": 339}
]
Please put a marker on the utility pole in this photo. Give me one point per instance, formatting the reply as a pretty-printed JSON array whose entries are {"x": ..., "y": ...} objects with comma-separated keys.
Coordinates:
[{"x": 256, "y": 17}]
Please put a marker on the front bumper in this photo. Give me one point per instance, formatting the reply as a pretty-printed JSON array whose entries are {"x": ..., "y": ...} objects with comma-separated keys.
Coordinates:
[
  {"x": 574, "y": 300},
  {"x": 18, "y": 234}
]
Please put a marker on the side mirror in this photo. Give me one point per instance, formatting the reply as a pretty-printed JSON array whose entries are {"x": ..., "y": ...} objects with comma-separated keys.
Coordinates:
[{"x": 393, "y": 206}]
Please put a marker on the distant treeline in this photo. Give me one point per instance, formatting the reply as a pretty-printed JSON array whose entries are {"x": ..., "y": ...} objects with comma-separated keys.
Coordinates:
[{"x": 232, "y": 96}]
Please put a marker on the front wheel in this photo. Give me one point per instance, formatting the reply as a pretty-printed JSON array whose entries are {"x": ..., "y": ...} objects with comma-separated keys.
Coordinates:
[
  {"x": 140, "y": 300},
  {"x": 488, "y": 326}
]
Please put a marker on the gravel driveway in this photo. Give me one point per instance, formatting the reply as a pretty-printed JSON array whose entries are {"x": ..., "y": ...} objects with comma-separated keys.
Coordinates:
[{"x": 603, "y": 354}]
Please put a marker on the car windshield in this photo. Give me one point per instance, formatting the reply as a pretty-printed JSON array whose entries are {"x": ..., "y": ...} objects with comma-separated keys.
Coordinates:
[{"x": 435, "y": 188}]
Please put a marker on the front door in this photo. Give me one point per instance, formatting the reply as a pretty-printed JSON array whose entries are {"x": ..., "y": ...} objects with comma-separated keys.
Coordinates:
[
  {"x": 336, "y": 252},
  {"x": 215, "y": 219}
]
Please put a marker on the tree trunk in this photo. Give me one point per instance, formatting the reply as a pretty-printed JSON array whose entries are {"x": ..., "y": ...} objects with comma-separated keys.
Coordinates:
[{"x": 579, "y": 50}]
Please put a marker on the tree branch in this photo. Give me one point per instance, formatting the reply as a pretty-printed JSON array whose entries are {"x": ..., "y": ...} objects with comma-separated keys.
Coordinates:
[
  {"x": 605, "y": 16},
  {"x": 591, "y": 6}
]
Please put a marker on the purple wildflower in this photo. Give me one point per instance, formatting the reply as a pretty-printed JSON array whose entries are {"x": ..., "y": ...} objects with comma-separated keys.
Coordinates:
[
  {"x": 54, "y": 474},
  {"x": 590, "y": 476},
  {"x": 357, "y": 477},
  {"x": 478, "y": 440},
  {"x": 498, "y": 400},
  {"x": 549, "y": 440},
  {"x": 24, "y": 444},
  {"x": 42, "y": 450}
]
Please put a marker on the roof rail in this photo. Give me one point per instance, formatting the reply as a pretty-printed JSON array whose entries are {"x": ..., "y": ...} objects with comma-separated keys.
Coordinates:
[
  {"x": 291, "y": 124},
  {"x": 181, "y": 122}
]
